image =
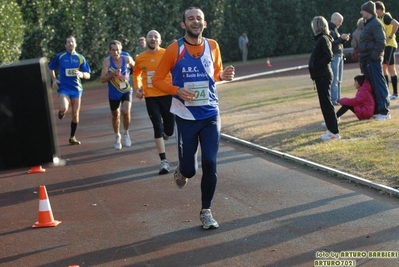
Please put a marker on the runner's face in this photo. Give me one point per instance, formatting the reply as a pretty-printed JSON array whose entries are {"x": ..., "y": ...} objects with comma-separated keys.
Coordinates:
[
  {"x": 153, "y": 40},
  {"x": 142, "y": 43},
  {"x": 70, "y": 44},
  {"x": 115, "y": 51},
  {"x": 194, "y": 23}
]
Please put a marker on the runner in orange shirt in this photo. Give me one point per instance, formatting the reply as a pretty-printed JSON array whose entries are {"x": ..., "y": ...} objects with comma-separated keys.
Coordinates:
[{"x": 157, "y": 101}]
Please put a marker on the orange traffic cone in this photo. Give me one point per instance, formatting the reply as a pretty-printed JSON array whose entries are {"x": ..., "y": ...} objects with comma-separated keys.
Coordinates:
[
  {"x": 36, "y": 169},
  {"x": 46, "y": 218},
  {"x": 268, "y": 62}
]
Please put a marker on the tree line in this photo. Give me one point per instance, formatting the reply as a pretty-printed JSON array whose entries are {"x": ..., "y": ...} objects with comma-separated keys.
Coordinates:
[{"x": 38, "y": 28}]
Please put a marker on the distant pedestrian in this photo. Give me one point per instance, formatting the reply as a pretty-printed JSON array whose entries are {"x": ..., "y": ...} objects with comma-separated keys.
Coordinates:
[
  {"x": 389, "y": 65},
  {"x": 141, "y": 47},
  {"x": 371, "y": 52},
  {"x": 337, "y": 64},
  {"x": 71, "y": 67},
  {"x": 321, "y": 74},
  {"x": 243, "y": 44}
]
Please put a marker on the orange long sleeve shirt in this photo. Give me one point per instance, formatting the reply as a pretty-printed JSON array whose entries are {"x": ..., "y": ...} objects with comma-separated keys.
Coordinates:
[
  {"x": 143, "y": 72},
  {"x": 169, "y": 59}
]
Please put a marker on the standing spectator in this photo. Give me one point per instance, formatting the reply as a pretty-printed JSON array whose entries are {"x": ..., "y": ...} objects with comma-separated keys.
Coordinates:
[
  {"x": 157, "y": 102},
  {"x": 371, "y": 52},
  {"x": 71, "y": 67},
  {"x": 337, "y": 64},
  {"x": 116, "y": 70},
  {"x": 243, "y": 44},
  {"x": 141, "y": 47},
  {"x": 362, "y": 104},
  {"x": 356, "y": 38},
  {"x": 388, "y": 64},
  {"x": 321, "y": 74},
  {"x": 196, "y": 65}
]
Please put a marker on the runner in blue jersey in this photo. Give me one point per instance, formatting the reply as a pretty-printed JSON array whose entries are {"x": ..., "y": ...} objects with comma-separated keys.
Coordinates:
[
  {"x": 71, "y": 68},
  {"x": 196, "y": 65},
  {"x": 116, "y": 71}
]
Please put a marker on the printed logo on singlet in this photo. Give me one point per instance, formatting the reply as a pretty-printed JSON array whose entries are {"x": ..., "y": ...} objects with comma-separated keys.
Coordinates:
[
  {"x": 74, "y": 60},
  {"x": 189, "y": 70},
  {"x": 206, "y": 62},
  {"x": 192, "y": 72}
]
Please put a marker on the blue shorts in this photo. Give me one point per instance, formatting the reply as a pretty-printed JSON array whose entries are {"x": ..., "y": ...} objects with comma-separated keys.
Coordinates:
[{"x": 70, "y": 93}]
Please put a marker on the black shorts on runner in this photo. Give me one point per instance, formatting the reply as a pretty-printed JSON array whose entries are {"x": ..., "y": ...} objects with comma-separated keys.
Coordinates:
[{"x": 115, "y": 104}]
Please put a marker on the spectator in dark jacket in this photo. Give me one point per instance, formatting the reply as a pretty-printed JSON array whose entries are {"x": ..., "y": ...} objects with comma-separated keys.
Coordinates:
[
  {"x": 371, "y": 51},
  {"x": 337, "y": 64},
  {"x": 363, "y": 103},
  {"x": 321, "y": 74}
]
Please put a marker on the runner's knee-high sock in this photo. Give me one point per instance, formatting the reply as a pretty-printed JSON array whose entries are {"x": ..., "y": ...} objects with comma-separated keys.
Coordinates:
[{"x": 74, "y": 125}]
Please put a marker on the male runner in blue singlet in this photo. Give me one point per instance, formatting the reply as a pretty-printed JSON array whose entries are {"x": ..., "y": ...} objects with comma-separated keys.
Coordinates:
[
  {"x": 196, "y": 65},
  {"x": 71, "y": 67},
  {"x": 116, "y": 71}
]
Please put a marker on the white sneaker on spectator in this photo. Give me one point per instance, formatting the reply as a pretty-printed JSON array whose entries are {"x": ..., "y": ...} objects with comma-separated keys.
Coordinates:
[
  {"x": 382, "y": 117},
  {"x": 394, "y": 97},
  {"x": 330, "y": 136}
]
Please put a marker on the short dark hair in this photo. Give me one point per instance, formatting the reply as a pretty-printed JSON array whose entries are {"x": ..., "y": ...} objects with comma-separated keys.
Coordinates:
[
  {"x": 360, "y": 79},
  {"x": 70, "y": 36},
  {"x": 379, "y": 5},
  {"x": 191, "y": 7},
  {"x": 114, "y": 42}
]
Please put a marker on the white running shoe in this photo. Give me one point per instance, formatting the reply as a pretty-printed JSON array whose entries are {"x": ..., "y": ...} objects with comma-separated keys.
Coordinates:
[
  {"x": 180, "y": 180},
  {"x": 118, "y": 144},
  {"x": 126, "y": 139},
  {"x": 207, "y": 220},
  {"x": 164, "y": 169},
  {"x": 330, "y": 136},
  {"x": 394, "y": 97}
]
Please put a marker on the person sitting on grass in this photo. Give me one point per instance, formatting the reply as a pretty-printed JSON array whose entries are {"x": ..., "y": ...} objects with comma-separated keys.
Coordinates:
[{"x": 363, "y": 103}]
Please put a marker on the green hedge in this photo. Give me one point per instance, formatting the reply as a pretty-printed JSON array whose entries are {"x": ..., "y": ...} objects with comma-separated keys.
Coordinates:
[{"x": 37, "y": 28}]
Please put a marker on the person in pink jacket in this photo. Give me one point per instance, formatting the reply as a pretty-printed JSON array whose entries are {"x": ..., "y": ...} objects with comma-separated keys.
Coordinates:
[{"x": 362, "y": 104}]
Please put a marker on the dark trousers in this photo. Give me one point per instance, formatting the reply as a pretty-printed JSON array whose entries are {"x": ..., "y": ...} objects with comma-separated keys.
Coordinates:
[
  {"x": 343, "y": 110},
  {"x": 323, "y": 86},
  {"x": 204, "y": 134},
  {"x": 372, "y": 69}
]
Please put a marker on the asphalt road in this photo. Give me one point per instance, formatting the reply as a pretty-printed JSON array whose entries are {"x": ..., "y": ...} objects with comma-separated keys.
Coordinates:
[{"x": 117, "y": 211}]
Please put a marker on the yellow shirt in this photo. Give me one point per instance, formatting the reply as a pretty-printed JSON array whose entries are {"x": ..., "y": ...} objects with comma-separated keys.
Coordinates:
[
  {"x": 144, "y": 69},
  {"x": 388, "y": 31}
]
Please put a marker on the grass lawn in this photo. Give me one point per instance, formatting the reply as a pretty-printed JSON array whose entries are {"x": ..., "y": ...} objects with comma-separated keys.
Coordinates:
[{"x": 284, "y": 114}]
